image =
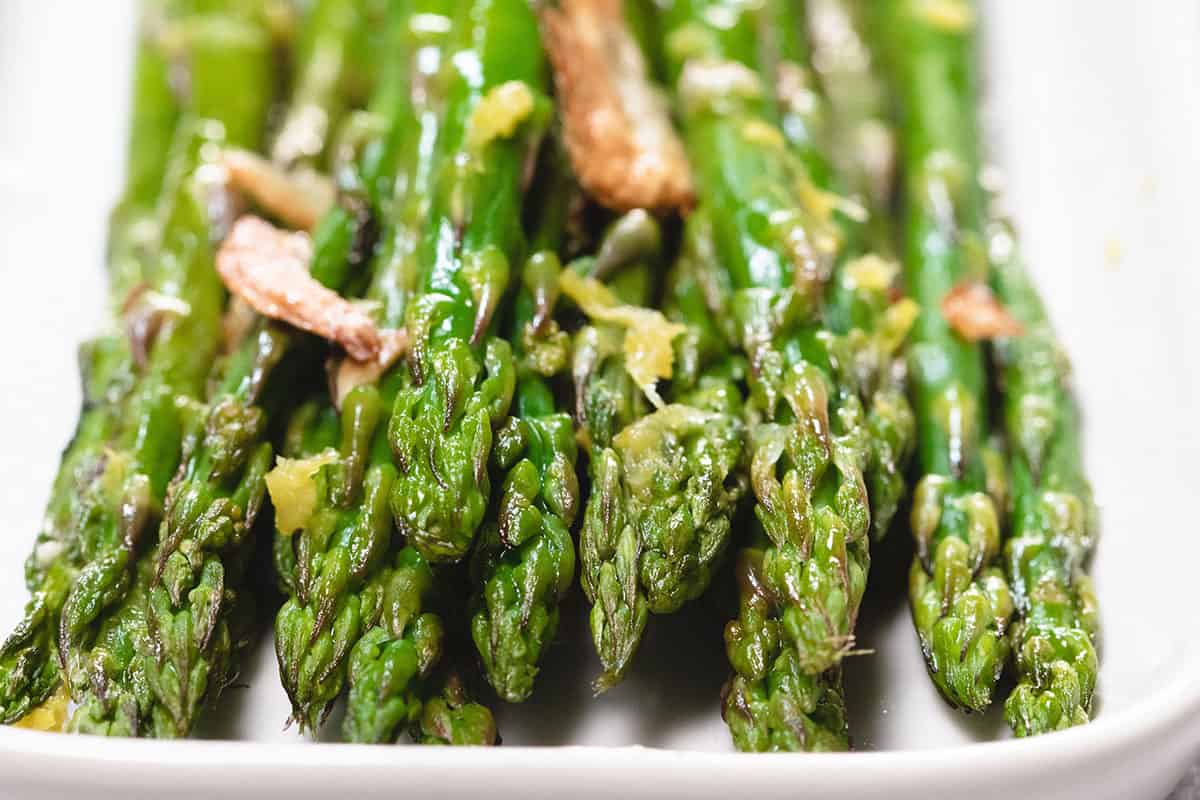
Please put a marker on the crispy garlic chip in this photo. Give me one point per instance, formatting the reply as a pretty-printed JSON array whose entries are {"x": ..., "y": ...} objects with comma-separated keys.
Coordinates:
[
  {"x": 616, "y": 123},
  {"x": 975, "y": 314},
  {"x": 268, "y": 268},
  {"x": 298, "y": 197}
]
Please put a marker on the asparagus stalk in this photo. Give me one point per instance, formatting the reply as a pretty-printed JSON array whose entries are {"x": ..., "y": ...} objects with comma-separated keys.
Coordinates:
[
  {"x": 399, "y": 681},
  {"x": 322, "y": 73},
  {"x": 365, "y": 55},
  {"x": 360, "y": 613},
  {"x": 1054, "y": 518},
  {"x": 659, "y": 519},
  {"x": 857, "y": 128},
  {"x": 524, "y": 562},
  {"x": 29, "y": 664},
  {"x": 449, "y": 717},
  {"x": 803, "y": 578},
  {"x": 196, "y": 609},
  {"x": 665, "y": 484},
  {"x": 960, "y": 600},
  {"x": 335, "y": 530},
  {"x": 29, "y": 660},
  {"x": 462, "y": 380},
  {"x": 608, "y": 400},
  {"x": 390, "y": 660},
  {"x": 708, "y": 377},
  {"x": 103, "y": 623},
  {"x": 859, "y": 302},
  {"x": 1054, "y": 521},
  {"x": 153, "y": 118},
  {"x": 82, "y": 511}
]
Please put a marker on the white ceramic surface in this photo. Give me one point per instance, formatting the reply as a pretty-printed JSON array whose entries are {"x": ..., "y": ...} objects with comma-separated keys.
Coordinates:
[{"x": 1096, "y": 103}]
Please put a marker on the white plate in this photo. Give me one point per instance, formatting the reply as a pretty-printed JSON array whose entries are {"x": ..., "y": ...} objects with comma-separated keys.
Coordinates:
[{"x": 1098, "y": 103}]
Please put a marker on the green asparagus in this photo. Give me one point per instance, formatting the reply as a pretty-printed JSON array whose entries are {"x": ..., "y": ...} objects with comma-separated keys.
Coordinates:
[
  {"x": 29, "y": 662},
  {"x": 779, "y": 363},
  {"x": 524, "y": 562},
  {"x": 859, "y": 305},
  {"x": 359, "y": 614},
  {"x": 1054, "y": 518},
  {"x": 397, "y": 676},
  {"x": 390, "y": 659},
  {"x": 857, "y": 128},
  {"x": 462, "y": 379},
  {"x": 960, "y": 600},
  {"x": 322, "y": 67},
  {"x": 335, "y": 529},
  {"x": 608, "y": 399},
  {"x": 449, "y": 717},
  {"x": 665, "y": 484},
  {"x": 197, "y": 598},
  {"x": 803, "y": 578},
  {"x": 103, "y": 623},
  {"x": 441, "y": 428},
  {"x": 155, "y": 114}
]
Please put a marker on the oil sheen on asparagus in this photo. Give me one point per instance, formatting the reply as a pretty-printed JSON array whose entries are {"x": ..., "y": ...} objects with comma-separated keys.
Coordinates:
[{"x": 960, "y": 599}]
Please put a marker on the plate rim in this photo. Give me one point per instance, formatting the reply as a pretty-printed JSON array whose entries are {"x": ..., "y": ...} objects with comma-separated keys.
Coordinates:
[{"x": 1167, "y": 710}]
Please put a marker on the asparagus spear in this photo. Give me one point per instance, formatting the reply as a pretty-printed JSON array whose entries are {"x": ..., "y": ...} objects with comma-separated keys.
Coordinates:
[
  {"x": 650, "y": 540},
  {"x": 857, "y": 129},
  {"x": 1054, "y": 518},
  {"x": 29, "y": 662},
  {"x": 335, "y": 530},
  {"x": 102, "y": 617},
  {"x": 390, "y": 660},
  {"x": 29, "y": 668},
  {"x": 354, "y": 605},
  {"x": 398, "y": 680},
  {"x": 196, "y": 606},
  {"x": 153, "y": 118},
  {"x": 524, "y": 562},
  {"x": 860, "y": 306},
  {"x": 708, "y": 378},
  {"x": 665, "y": 484},
  {"x": 82, "y": 508},
  {"x": 803, "y": 579},
  {"x": 607, "y": 398},
  {"x": 960, "y": 600},
  {"x": 441, "y": 428},
  {"x": 449, "y": 717}
]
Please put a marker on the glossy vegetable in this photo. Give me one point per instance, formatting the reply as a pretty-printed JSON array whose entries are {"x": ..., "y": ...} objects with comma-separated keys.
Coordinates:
[
  {"x": 960, "y": 600},
  {"x": 104, "y": 630},
  {"x": 1054, "y": 519}
]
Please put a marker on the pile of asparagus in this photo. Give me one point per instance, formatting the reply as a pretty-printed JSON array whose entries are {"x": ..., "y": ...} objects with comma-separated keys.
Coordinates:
[{"x": 422, "y": 307}]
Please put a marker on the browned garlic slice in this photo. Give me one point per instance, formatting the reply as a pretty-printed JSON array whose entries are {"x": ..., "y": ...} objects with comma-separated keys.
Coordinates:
[
  {"x": 975, "y": 314},
  {"x": 298, "y": 197},
  {"x": 616, "y": 123},
  {"x": 268, "y": 268}
]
